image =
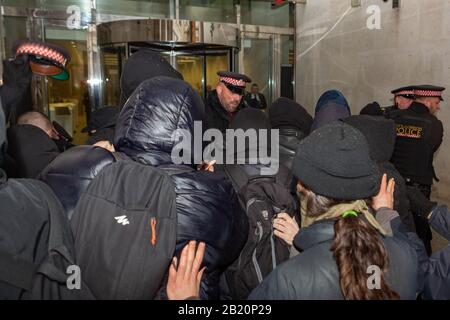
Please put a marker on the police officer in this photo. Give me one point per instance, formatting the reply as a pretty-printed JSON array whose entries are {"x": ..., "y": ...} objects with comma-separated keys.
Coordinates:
[
  {"x": 403, "y": 98},
  {"x": 226, "y": 100},
  {"x": 419, "y": 135}
]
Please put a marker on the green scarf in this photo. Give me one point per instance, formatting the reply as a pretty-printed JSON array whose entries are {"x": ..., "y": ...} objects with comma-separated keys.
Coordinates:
[{"x": 337, "y": 211}]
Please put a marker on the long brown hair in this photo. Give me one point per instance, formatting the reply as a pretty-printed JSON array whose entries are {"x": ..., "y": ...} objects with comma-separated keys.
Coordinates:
[{"x": 356, "y": 246}]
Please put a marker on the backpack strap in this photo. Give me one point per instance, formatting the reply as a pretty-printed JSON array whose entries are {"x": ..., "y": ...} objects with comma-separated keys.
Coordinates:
[
  {"x": 237, "y": 177},
  {"x": 16, "y": 271}
]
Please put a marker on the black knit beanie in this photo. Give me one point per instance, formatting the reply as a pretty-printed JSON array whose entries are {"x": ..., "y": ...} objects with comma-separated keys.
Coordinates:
[
  {"x": 285, "y": 112},
  {"x": 334, "y": 162},
  {"x": 372, "y": 109}
]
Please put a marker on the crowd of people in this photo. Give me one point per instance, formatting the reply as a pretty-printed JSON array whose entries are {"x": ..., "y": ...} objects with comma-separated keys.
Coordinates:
[{"x": 347, "y": 215}]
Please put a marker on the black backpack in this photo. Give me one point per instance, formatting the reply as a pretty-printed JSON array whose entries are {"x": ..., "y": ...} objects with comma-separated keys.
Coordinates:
[
  {"x": 125, "y": 227},
  {"x": 262, "y": 197},
  {"x": 36, "y": 245}
]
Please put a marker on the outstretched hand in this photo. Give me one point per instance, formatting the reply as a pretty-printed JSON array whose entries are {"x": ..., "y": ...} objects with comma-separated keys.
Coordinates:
[
  {"x": 384, "y": 198},
  {"x": 185, "y": 276}
]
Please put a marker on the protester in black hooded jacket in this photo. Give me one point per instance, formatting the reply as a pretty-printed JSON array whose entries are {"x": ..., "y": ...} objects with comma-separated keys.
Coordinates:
[
  {"x": 380, "y": 135},
  {"x": 294, "y": 124},
  {"x": 207, "y": 207}
]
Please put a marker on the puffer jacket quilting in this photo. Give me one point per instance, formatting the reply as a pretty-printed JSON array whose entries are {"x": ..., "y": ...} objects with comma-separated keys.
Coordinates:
[{"x": 207, "y": 206}]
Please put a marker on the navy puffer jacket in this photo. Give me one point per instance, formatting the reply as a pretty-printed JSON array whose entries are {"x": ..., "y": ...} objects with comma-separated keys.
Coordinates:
[{"x": 208, "y": 208}]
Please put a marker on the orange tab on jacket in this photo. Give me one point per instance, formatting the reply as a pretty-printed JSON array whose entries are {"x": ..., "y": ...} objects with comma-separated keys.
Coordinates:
[{"x": 153, "y": 226}]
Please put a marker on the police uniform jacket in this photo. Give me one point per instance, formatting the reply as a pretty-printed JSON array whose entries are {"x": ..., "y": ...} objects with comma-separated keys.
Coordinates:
[{"x": 419, "y": 135}]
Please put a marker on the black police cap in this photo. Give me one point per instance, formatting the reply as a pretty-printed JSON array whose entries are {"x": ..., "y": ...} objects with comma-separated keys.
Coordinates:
[{"x": 407, "y": 92}]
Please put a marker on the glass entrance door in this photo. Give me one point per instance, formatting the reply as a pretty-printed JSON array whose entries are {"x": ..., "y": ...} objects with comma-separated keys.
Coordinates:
[
  {"x": 200, "y": 71},
  {"x": 113, "y": 59},
  {"x": 258, "y": 64},
  {"x": 198, "y": 63},
  {"x": 192, "y": 69}
]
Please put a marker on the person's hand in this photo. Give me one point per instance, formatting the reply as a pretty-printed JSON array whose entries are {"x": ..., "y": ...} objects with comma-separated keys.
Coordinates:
[
  {"x": 185, "y": 276},
  {"x": 384, "y": 198},
  {"x": 105, "y": 145},
  {"x": 285, "y": 228},
  {"x": 207, "y": 166}
]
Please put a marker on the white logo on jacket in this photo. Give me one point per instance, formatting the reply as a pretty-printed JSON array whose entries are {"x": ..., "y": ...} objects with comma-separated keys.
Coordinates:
[{"x": 122, "y": 220}]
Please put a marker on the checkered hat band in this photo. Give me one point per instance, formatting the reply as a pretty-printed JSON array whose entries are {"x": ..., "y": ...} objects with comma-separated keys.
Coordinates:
[
  {"x": 428, "y": 93},
  {"x": 234, "y": 82},
  {"x": 42, "y": 51},
  {"x": 404, "y": 92}
]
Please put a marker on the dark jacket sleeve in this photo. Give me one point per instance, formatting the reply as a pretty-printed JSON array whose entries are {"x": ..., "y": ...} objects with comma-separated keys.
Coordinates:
[
  {"x": 422, "y": 259},
  {"x": 389, "y": 220},
  {"x": 437, "y": 281},
  {"x": 8, "y": 96},
  {"x": 274, "y": 287},
  {"x": 436, "y": 269},
  {"x": 440, "y": 221},
  {"x": 437, "y": 134}
]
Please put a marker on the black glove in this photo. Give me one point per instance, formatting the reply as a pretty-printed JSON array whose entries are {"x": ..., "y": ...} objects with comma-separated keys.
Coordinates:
[
  {"x": 372, "y": 109},
  {"x": 62, "y": 133},
  {"x": 419, "y": 204}
]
